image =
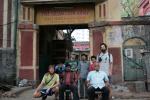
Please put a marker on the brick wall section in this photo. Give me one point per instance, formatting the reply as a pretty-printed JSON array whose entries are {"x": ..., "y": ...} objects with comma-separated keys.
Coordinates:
[
  {"x": 1, "y": 22},
  {"x": 26, "y": 48},
  {"x": 9, "y": 23},
  {"x": 97, "y": 40}
]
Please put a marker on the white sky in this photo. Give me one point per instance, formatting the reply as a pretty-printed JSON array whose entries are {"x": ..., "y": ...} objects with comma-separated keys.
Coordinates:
[{"x": 81, "y": 34}]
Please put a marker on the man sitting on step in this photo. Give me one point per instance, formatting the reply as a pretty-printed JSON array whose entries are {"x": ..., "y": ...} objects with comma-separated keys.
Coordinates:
[{"x": 70, "y": 82}]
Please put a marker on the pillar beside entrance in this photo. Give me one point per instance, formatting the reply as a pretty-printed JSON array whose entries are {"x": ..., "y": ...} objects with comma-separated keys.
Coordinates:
[
  {"x": 27, "y": 52},
  {"x": 98, "y": 36}
]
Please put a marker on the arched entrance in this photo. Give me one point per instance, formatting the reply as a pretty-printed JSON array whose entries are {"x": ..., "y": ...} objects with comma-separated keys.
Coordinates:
[
  {"x": 134, "y": 67},
  {"x": 45, "y": 47},
  {"x": 52, "y": 19}
]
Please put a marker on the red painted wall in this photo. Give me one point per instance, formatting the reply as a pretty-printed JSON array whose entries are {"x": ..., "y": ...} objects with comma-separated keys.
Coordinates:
[
  {"x": 26, "y": 74},
  {"x": 9, "y": 25},
  {"x": 117, "y": 67},
  {"x": 26, "y": 48},
  {"x": 1, "y": 22},
  {"x": 97, "y": 40}
]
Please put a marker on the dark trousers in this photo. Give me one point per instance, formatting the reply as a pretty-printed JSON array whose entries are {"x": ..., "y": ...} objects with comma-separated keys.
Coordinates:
[
  {"x": 73, "y": 89},
  {"x": 44, "y": 94},
  {"x": 82, "y": 90},
  {"x": 91, "y": 93}
]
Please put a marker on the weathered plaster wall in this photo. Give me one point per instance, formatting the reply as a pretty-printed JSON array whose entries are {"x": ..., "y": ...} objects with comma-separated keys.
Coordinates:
[{"x": 7, "y": 66}]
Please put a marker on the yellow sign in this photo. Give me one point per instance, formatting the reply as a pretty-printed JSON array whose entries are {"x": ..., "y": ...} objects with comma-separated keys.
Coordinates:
[{"x": 64, "y": 15}]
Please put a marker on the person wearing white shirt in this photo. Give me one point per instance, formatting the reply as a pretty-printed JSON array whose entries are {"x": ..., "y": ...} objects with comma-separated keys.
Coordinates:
[
  {"x": 105, "y": 60},
  {"x": 97, "y": 81}
]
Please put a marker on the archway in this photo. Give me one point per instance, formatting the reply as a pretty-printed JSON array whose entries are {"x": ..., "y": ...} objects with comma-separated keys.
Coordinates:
[{"x": 134, "y": 67}]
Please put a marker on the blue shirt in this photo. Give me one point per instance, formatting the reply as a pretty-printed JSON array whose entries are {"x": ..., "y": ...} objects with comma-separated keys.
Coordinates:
[
  {"x": 97, "y": 79},
  {"x": 83, "y": 69}
]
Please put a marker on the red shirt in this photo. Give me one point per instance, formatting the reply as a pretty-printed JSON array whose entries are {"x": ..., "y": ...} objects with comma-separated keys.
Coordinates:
[
  {"x": 92, "y": 66},
  {"x": 71, "y": 78}
]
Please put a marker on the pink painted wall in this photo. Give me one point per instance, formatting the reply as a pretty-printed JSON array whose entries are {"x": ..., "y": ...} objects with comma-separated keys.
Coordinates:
[{"x": 144, "y": 7}]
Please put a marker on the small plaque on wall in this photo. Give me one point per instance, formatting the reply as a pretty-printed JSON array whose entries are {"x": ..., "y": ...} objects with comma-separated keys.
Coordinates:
[{"x": 129, "y": 53}]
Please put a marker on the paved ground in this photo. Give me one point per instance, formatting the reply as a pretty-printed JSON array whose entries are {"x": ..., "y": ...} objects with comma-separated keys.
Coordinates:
[{"x": 27, "y": 95}]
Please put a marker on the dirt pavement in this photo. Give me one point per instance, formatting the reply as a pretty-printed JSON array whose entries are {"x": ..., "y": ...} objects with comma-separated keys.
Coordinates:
[{"x": 27, "y": 95}]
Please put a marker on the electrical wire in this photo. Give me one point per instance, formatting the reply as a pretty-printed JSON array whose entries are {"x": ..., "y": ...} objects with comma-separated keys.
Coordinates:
[{"x": 7, "y": 23}]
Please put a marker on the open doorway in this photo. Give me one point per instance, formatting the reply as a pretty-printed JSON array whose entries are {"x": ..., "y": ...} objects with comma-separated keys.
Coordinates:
[
  {"x": 57, "y": 43},
  {"x": 81, "y": 44}
]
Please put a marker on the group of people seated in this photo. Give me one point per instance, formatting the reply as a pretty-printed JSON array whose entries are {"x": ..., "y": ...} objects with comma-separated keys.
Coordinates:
[{"x": 63, "y": 77}]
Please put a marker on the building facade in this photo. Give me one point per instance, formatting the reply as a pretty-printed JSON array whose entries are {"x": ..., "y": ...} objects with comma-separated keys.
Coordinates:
[
  {"x": 39, "y": 21},
  {"x": 108, "y": 11},
  {"x": 125, "y": 37},
  {"x": 80, "y": 48},
  {"x": 7, "y": 41},
  {"x": 38, "y": 27}
]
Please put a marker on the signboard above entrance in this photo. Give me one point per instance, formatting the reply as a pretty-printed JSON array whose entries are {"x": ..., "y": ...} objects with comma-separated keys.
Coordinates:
[{"x": 47, "y": 15}]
